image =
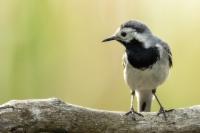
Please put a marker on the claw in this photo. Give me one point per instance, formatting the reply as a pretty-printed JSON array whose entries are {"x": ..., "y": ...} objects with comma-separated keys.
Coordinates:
[
  {"x": 162, "y": 111},
  {"x": 133, "y": 112}
]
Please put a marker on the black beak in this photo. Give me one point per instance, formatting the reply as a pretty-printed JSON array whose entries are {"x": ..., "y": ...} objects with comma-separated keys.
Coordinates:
[{"x": 109, "y": 39}]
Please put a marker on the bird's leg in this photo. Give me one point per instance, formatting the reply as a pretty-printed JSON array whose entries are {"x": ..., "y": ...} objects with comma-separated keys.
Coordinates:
[
  {"x": 162, "y": 110},
  {"x": 132, "y": 111}
]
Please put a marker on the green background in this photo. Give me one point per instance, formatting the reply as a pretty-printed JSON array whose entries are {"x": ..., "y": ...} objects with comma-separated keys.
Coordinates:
[{"x": 52, "y": 48}]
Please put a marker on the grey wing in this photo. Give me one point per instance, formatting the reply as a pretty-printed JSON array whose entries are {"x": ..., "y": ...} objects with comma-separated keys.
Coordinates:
[{"x": 167, "y": 48}]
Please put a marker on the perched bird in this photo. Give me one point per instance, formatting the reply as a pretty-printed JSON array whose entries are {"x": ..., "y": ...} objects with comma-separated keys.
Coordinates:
[{"x": 147, "y": 60}]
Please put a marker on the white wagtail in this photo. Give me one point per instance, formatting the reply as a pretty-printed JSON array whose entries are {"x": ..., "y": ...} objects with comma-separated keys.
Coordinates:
[{"x": 147, "y": 60}]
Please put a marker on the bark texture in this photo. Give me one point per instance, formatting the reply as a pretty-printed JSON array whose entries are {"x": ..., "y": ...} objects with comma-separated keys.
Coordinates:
[{"x": 54, "y": 116}]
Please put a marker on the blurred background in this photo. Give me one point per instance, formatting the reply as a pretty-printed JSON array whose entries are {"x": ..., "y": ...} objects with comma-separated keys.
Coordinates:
[{"x": 52, "y": 48}]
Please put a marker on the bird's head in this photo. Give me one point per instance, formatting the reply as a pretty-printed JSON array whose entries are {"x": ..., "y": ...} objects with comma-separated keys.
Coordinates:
[{"x": 130, "y": 31}]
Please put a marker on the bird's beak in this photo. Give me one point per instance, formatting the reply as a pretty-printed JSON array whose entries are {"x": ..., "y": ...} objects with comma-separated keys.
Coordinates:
[{"x": 110, "y": 38}]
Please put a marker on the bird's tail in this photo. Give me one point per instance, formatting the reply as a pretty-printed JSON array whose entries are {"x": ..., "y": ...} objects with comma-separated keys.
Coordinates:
[{"x": 144, "y": 99}]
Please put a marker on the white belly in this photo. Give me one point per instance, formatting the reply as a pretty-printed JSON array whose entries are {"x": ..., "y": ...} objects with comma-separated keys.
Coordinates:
[{"x": 147, "y": 79}]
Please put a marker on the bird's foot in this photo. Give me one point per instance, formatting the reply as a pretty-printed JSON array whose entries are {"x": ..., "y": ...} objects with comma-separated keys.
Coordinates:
[
  {"x": 163, "y": 111},
  {"x": 133, "y": 112}
]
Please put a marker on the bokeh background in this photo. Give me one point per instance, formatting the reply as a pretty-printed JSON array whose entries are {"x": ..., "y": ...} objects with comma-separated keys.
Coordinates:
[{"x": 52, "y": 48}]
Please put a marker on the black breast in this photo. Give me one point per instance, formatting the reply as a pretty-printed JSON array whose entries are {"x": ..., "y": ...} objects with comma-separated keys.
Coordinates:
[{"x": 140, "y": 57}]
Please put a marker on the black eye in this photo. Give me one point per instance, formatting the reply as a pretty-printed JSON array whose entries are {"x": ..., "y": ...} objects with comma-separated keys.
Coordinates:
[{"x": 123, "y": 34}]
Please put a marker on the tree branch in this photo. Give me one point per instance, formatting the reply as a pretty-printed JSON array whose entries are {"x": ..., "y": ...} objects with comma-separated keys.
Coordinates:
[{"x": 53, "y": 115}]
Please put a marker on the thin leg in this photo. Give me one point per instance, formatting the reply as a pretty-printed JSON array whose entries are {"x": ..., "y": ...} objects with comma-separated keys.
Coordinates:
[
  {"x": 132, "y": 111},
  {"x": 162, "y": 110}
]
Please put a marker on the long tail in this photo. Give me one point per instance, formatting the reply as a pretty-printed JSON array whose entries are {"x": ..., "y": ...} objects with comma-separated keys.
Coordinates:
[{"x": 144, "y": 99}]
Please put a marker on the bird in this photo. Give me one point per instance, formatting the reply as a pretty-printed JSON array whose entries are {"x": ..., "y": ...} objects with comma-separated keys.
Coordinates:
[{"x": 147, "y": 61}]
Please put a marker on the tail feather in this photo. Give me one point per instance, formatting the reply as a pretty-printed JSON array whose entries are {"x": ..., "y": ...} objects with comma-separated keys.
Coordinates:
[{"x": 144, "y": 99}]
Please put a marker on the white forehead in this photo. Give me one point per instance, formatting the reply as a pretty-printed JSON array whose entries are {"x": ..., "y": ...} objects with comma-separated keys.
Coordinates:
[
  {"x": 127, "y": 30},
  {"x": 130, "y": 34}
]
